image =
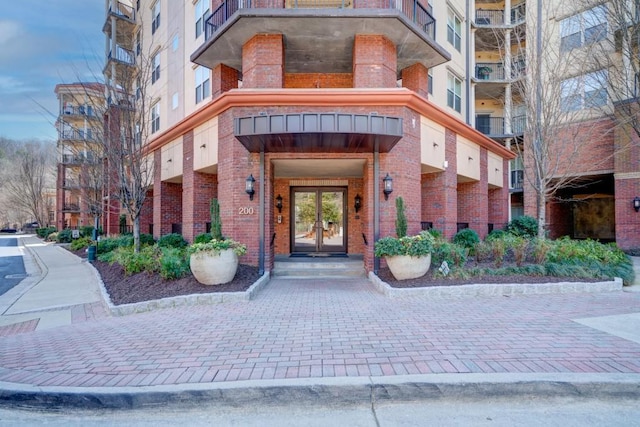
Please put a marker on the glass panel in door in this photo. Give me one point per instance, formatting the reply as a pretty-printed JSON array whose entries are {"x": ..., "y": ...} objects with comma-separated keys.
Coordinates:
[{"x": 319, "y": 221}]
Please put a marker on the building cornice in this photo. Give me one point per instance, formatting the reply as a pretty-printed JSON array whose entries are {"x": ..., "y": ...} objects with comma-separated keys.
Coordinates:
[{"x": 327, "y": 98}]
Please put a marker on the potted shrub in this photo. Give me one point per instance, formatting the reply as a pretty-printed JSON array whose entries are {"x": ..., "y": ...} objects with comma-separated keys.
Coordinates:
[
  {"x": 215, "y": 262},
  {"x": 408, "y": 257}
]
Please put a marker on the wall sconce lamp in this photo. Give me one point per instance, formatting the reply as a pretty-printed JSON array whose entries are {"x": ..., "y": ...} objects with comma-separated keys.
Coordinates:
[
  {"x": 388, "y": 186},
  {"x": 357, "y": 203},
  {"x": 636, "y": 203},
  {"x": 203, "y": 145},
  {"x": 248, "y": 186},
  {"x": 279, "y": 203}
]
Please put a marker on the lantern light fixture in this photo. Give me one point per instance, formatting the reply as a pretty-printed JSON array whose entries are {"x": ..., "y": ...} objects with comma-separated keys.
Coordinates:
[
  {"x": 636, "y": 203},
  {"x": 249, "y": 186},
  {"x": 279, "y": 203},
  {"x": 357, "y": 203},
  {"x": 388, "y": 186}
]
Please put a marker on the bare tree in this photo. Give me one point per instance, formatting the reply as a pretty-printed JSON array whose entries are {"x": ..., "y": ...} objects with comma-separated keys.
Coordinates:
[{"x": 27, "y": 176}]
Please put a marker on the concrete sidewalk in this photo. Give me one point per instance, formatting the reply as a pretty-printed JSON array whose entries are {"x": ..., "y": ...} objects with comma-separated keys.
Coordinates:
[
  {"x": 310, "y": 339},
  {"x": 61, "y": 289}
]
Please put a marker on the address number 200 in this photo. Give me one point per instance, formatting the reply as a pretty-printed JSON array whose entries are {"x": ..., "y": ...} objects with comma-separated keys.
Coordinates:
[{"x": 245, "y": 211}]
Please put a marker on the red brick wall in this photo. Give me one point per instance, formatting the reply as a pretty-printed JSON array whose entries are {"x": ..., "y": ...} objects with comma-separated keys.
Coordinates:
[
  {"x": 498, "y": 207},
  {"x": 374, "y": 62},
  {"x": 146, "y": 214},
  {"x": 263, "y": 61},
  {"x": 59, "y": 198},
  {"x": 627, "y": 186},
  {"x": 224, "y": 78},
  {"x": 473, "y": 200},
  {"x": 318, "y": 80},
  {"x": 416, "y": 78},
  {"x": 167, "y": 201}
]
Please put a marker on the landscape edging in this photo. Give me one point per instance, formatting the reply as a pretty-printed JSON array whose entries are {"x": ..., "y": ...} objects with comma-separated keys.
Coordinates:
[{"x": 493, "y": 289}]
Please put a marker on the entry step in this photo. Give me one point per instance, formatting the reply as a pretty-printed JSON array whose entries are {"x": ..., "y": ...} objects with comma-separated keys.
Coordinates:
[{"x": 326, "y": 268}]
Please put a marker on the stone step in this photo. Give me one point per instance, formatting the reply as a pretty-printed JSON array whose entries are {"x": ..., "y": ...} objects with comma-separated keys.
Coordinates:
[{"x": 310, "y": 269}]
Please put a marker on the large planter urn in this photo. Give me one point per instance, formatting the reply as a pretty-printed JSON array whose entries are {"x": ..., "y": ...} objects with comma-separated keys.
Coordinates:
[
  {"x": 211, "y": 268},
  {"x": 408, "y": 267}
]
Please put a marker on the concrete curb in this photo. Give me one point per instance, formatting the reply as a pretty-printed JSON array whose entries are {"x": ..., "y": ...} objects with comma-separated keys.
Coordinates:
[
  {"x": 179, "y": 301},
  {"x": 344, "y": 390},
  {"x": 493, "y": 289}
]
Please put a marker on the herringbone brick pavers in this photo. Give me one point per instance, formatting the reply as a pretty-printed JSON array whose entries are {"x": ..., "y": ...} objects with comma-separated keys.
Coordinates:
[{"x": 317, "y": 328}]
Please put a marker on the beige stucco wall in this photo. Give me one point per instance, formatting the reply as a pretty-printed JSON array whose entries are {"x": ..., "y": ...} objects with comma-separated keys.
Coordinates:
[
  {"x": 205, "y": 145},
  {"x": 432, "y": 145}
]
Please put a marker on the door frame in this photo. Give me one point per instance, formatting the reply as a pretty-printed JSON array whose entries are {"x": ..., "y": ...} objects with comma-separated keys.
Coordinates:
[{"x": 319, "y": 190}]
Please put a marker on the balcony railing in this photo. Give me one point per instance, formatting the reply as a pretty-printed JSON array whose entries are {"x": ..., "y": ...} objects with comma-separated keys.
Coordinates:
[
  {"x": 78, "y": 158},
  {"x": 70, "y": 183},
  {"x": 516, "y": 179},
  {"x": 123, "y": 55},
  {"x": 81, "y": 110},
  {"x": 518, "y": 13},
  {"x": 71, "y": 207},
  {"x": 76, "y": 134},
  {"x": 412, "y": 9},
  {"x": 496, "y": 126},
  {"x": 490, "y": 71},
  {"x": 122, "y": 10},
  {"x": 489, "y": 17}
]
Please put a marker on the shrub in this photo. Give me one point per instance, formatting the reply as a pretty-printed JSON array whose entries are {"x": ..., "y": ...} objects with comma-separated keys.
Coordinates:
[
  {"x": 86, "y": 230},
  {"x": 454, "y": 255},
  {"x": 498, "y": 249},
  {"x": 111, "y": 243},
  {"x": 541, "y": 248},
  {"x": 64, "y": 236},
  {"x": 401, "y": 218},
  {"x": 53, "y": 237},
  {"x": 466, "y": 238},
  {"x": 416, "y": 246},
  {"x": 203, "y": 238},
  {"x": 519, "y": 247},
  {"x": 173, "y": 263},
  {"x": 216, "y": 223},
  {"x": 482, "y": 251},
  {"x": 173, "y": 240},
  {"x": 216, "y": 246},
  {"x": 80, "y": 243},
  {"x": 147, "y": 239},
  {"x": 524, "y": 226},
  {"x": 437, "y": 234},
  {"x": 145, "y": 260},
  {"x": 44, "y": 232},
  {"x": 495, "y": 234}
]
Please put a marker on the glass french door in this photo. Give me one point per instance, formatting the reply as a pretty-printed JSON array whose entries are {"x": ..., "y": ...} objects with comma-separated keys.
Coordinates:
[{"x": 318, "y": 220}]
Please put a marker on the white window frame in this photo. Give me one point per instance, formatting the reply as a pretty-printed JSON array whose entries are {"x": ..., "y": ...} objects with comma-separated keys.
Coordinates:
[
  {"x": 203, "y": 83},
  {"x": 201, "y": 16},
  {"x": 583, "y": 28},
  {"x": 430, "y": 81},
  {"x": 155, "y": 117},
  {"x": 155, "y": 23},
  {"x": 454, "y": 29},
  {"x": 454, "y": 92},
  {"x": 155, "y": 68},
  {"x": 584, "y": 92}
]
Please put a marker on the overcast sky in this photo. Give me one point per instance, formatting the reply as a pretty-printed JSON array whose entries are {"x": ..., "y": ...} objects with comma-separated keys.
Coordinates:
[{"x": 43, "y": 43}]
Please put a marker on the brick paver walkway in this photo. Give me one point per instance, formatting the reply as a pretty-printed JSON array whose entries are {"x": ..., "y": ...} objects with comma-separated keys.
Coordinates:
[{"x": 319, "y": 328}]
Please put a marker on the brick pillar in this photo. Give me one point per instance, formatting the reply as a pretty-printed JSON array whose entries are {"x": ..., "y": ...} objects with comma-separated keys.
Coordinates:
[
  {"x": 499, "y": 201},
  {"x": 416, "y": 78},
  {"x": 239, "y": 215},
  {"x": 197, "y": 191},
  {"x": 59, "y": 198},
  {"x": 473, "y": 201},
  {"x": 263, "y": 61},
  {"x": 146, "y": 214},
  {"x": 627, "y": 183},
  {"x": 224, "y": 78},
  {"x": 167, "y": 201},
  {"x": 374, "y": 62},
  {"x": 439, "y": 192}
]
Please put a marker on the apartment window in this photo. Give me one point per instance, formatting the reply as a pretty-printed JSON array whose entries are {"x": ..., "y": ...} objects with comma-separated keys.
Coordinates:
[
  {"x": 155, "y": 65},
  {"x": 155, "y": 118},
  {"x": 584, "y": 28},
  {"x": 155, "y": 23},
  {"x": 203, "y": 88},
  {"x": 174, "y": 101},
  {"x": 202, "y": 14},
  {"x": 430, "y": 81},
  {"x": 454, "y": 30},
  {"x": 454, "y": 93},
  {"x": 586, "y": 91}
]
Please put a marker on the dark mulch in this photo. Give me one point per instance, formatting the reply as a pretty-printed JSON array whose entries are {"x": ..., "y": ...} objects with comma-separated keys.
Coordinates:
[{"x": 123, "y": 289}]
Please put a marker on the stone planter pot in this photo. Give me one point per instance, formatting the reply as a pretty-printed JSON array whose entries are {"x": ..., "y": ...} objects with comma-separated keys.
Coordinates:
[
  {"x": 214, "y": 269},
  {"x": 407, "y": 267}
]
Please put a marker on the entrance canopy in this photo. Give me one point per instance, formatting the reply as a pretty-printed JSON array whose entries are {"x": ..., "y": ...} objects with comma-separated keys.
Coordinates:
[{"x": 318, "y": 133}]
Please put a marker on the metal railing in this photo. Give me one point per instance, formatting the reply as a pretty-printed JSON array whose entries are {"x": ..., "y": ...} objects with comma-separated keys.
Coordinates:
[
  {"x": 518, "y": 125},
  {"x": 71, "y": 207},
  {"x": 489, "y": 17},
  {"x": 122, "y": 10},
  {"x": 519, "y": 13},
  {"x": 77, "y": 134},
  {"x": 516, "y": 180},
  {"x": 78, "y": 158},
  {"x": 123, "y": 55},
  {"x": 412, "y": 9},
  {"x": 81, "y": 110},
  {"x": 490, "y": 125},
  {"x": 490, "y": 71}
]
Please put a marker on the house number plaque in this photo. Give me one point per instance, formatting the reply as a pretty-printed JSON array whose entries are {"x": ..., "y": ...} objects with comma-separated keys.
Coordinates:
[{"x": 245, "y": 211}]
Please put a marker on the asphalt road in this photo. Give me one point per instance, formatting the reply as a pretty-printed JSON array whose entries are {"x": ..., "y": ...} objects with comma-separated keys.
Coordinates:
[{"x": 11, "y": 264}]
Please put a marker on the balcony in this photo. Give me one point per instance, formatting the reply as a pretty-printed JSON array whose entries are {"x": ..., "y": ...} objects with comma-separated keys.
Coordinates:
[
  {"x": 82, "y": 111},
  {"x": 490, "y": 71},
  {"x": 71, "y": 207},
  {"x": 489, "y": 17},
  {"x": 122, "y": 55},
  {"x": 516, "y": 180},
  {"x": 71, "y": 184},
  {"x": 75, "y": 159},
  {"x": 75, "y": 135},
  {"x": 125, "y": 16},
  {"x": 495, "y": 127},
  {"x": 331, "y": 24}
]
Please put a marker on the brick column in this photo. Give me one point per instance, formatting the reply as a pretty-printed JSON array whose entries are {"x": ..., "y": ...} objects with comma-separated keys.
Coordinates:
[
  {"x": 498, "y": 201},
  {"x": 627, "y": 183},
  {"x": 59, "y": 198},
  {"x": 374, "y": 62},
  {"x": 146, "y": 214},
  {"x": 472, "y": 200},
  {"x": 223, "y": 78},
  {"x": 416, "y": 78},
  {"x": 263, "y": 61},
  {"x": 167, "y": 201}
]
